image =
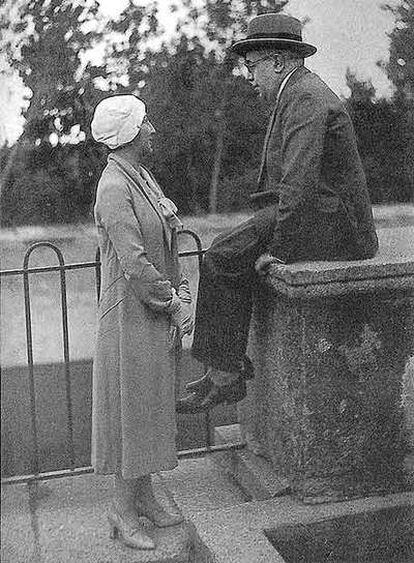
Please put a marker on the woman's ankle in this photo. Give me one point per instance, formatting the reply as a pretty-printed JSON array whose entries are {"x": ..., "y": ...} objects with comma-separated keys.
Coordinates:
[{"x": 144, "y": 491}]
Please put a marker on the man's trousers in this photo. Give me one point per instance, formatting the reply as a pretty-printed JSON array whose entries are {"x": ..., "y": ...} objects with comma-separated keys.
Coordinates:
[{"x": 224, "y": 302}]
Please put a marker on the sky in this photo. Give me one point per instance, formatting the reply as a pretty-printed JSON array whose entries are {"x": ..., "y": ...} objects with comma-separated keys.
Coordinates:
[{"x": 348, "y": 34}]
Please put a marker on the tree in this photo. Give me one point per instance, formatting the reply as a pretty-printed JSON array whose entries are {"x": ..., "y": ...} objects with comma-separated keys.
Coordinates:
[
  {"x": 400, "y": 70},
  {"x": 44, "y": 41},
  {"x": 225, "y": 22},
  {"x": 193, "y": 90},
  {"x": 400, "y": 67},
  {"x": 380, "y": 141},
  {"x": 48, "y": 59}
]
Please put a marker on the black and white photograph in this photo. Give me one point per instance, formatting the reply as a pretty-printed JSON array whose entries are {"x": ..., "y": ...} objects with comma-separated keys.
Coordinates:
[{"x": 207, "y": 281}]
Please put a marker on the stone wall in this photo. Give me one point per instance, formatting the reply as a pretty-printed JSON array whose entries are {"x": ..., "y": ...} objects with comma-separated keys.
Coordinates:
[{"x": 333, "y": 345}]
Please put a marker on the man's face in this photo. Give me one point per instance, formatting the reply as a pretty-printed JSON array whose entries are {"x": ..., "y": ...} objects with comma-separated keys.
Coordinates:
[{"x": 261, "y": 73}]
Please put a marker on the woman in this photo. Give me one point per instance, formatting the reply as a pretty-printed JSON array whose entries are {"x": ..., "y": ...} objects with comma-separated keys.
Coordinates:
[{"x": 144, "y": 304}]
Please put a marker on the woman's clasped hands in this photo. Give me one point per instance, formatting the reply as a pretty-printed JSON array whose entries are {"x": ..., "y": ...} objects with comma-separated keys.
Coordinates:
[{"x": 182, "y": 313}]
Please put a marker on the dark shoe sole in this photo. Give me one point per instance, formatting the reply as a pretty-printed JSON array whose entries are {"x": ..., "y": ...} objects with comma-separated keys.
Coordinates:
[{"x": 228, "y": 394}]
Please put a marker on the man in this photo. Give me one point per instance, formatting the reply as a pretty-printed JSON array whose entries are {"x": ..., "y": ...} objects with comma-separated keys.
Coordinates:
[{"x": 312, "y": 203}]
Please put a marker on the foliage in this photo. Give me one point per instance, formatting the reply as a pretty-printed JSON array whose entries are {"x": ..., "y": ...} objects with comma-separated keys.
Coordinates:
[
  {"x": 400, "y": 70},
  {"x": 44, "y": 41},
  {"x": 47, "y": 56},
  {"x": 210, "y": 123},
  {"x": 198, "y": 103},
  {"x": 381, "y": 141},
  {"x": 49, "y": 184},
  {"x": 400, "y": 67}
]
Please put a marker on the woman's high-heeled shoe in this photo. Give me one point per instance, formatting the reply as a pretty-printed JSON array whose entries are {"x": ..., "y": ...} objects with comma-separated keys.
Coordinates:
[
  {"x": 132, "y": 536},
  {"x": 158, "y": 515}
]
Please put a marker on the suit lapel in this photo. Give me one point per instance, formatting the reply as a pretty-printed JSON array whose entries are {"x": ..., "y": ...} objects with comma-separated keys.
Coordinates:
[{"x": 289, "y": 80}]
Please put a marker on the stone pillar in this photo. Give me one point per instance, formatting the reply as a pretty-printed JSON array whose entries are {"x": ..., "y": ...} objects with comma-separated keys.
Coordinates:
[{"x": 330, "y": 343}]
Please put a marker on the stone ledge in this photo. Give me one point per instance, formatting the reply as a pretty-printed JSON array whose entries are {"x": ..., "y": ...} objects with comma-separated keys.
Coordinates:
[
  {"x": 391, "y": 269},
  {"x": 237, "y": 534}
]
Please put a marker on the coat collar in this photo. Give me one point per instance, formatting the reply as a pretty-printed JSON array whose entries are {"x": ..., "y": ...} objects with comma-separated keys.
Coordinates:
[
  {"x": 293, "y": 78},
  {"x": 142, "y": 178},
  {"x": 289, "y": 79}
]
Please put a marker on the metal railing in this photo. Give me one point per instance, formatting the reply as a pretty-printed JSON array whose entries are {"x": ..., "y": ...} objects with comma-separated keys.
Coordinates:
[{"x": 63, "y": 268}]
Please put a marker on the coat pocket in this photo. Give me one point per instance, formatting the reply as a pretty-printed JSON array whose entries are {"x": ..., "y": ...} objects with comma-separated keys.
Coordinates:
[
  {"x": 108, "y": 309},
  {"x": 112, "y": 295}
]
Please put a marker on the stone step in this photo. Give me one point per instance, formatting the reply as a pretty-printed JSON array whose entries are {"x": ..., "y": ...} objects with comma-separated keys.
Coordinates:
[
  {"x": 240, "y": 534},
  {"x": 253, "y": 473},
  {"x": 199, "y": 486}
]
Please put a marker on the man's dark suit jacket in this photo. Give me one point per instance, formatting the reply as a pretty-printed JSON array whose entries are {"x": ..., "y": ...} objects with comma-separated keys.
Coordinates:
[{"x": 313, "y": 202}]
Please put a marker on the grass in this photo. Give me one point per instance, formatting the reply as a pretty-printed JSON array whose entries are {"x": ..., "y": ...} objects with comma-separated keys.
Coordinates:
[{"x": 78, "y": 243}]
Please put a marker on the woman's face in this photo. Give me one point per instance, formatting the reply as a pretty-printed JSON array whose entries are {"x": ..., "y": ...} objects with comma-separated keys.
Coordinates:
[{"x": 145, "y": 136}]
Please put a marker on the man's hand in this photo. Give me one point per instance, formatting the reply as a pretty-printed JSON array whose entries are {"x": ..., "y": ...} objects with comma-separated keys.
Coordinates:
[{"x": 264, "y": 262}]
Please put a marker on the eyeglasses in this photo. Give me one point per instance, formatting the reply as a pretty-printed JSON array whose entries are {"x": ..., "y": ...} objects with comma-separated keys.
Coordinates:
[{"x": 250, "y": 65}]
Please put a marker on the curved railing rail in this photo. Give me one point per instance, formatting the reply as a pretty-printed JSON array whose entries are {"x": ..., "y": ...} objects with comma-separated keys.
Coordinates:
[{"x": 63, "y": 268}]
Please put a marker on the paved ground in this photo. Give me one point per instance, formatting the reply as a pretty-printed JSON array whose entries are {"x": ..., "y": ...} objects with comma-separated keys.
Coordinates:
[{"x": 64, "y": 520}]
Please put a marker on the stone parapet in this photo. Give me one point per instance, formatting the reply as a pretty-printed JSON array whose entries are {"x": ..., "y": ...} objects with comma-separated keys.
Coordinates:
[
  {"x": 392, "y": 269},
  {"x": 331, "y": 343}
]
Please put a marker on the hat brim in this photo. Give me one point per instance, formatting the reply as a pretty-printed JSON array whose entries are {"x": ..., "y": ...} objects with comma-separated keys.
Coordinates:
[{"x": 243, "y": 46}]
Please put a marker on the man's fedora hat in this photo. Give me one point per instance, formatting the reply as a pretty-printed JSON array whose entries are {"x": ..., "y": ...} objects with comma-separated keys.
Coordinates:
[{"x": 278, "y": 31}]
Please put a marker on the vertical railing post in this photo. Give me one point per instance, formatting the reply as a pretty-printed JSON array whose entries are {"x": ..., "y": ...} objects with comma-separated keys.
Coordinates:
[
  {"x": 98, "y": 272},
  {"x": 29, "y": 348},
  {"x": 65, "y": 332},
  {"x": 207, "y": 417}
]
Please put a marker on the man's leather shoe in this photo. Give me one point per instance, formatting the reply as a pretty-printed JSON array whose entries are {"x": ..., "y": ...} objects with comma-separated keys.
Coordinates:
[
  {"x": 190, "y": 404},
  {"x": 206, "y": 394},
  {"x": 199, "y": 390},
  {"x": 203, "y": 385},
  {"x": 200, "y": 386},
  {"x": 231, "y": 393}
]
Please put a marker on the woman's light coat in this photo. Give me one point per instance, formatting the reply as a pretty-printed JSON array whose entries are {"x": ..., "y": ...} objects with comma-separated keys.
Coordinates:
[{"x": 133, "y": 419}]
